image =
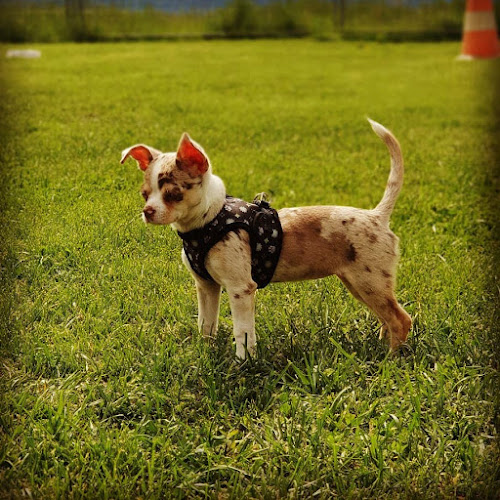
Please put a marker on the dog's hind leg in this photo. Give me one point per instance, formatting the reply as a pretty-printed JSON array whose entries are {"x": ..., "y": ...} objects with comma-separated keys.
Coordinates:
[{"x": 378, "y": 295}]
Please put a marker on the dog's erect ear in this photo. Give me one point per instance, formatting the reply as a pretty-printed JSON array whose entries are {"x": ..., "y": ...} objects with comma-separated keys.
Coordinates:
[
  {"x": 190, "y": 157},
  {"x": 143, "y": 154}
]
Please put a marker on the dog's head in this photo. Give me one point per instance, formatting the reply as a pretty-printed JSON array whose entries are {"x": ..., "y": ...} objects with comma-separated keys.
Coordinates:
[{"x": 172, "y": 181}]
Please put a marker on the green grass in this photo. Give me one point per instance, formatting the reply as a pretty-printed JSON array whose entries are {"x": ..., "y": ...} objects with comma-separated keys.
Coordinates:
[{"x": 108, "y": 389}]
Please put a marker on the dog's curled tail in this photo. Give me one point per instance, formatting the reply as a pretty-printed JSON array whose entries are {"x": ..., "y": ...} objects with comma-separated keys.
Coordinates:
[{"x": 395, "y": 181}]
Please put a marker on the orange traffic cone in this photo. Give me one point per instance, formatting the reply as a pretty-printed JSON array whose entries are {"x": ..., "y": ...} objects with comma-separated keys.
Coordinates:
[{"x": 480, "y": 39}]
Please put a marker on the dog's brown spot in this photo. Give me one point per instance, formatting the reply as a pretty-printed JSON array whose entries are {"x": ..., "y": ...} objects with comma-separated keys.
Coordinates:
[
  {"x": 350, "y": 221},
  {"x": 301, "y": 236},
  {"x": 367, "y": 269},
  {"x": 165, "y": 178},
  {"x": 351, "y": 253},
  {"x": 237, "y": 296},
  {"x": 173, "y": 196},
  {"x": 372, "y": 237},
  {"x": 369, "y": 291},
  {"x": 316, "y": 227},
  {"x": 386, "y": 274},
  {"x": 250, "y": 289}
]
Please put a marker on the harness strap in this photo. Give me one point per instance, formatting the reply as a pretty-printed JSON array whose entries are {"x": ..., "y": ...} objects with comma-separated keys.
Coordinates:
[{"x": 258, "y": 219}]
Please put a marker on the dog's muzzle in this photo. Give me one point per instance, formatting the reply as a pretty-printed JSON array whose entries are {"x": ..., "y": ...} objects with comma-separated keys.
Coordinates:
[{"x": 149, "y": 213}]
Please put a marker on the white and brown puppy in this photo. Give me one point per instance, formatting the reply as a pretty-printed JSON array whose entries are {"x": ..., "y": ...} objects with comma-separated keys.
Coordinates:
[{"x": 354, "y": 244}]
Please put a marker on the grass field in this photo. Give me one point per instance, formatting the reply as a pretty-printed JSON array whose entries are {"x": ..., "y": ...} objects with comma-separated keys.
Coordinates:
[{"x": 109, "y": 391}]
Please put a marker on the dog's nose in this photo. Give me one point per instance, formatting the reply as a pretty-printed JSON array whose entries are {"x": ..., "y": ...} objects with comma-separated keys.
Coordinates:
[{"x": 149, "y": 212}]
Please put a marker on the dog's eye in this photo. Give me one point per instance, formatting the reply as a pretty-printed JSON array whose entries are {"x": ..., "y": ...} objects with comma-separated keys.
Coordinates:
[
  {"x": 145, "y": 195},
  {"x": 175, "y": 195}
]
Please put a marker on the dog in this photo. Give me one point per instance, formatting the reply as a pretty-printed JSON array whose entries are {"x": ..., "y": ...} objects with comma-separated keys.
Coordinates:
[{"x": 354, "y": 244}]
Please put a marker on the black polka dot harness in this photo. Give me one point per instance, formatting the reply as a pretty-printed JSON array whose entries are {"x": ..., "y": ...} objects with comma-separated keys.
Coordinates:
[{"x": 258, "y": 219}]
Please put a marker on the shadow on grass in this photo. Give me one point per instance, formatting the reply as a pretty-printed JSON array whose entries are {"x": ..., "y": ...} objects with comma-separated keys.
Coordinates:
[{"x": 322, "y": 363}]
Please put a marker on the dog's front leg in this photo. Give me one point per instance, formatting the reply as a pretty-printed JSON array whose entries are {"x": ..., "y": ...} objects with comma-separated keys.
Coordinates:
[
  {"x": 243, "y": 312},
  {"x": 208, "y": 306},
  {"x": 229, "y": 263}
]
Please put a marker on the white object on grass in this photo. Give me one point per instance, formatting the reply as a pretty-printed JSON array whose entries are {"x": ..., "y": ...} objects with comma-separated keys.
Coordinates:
[{"x": 24, "y": 54}]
